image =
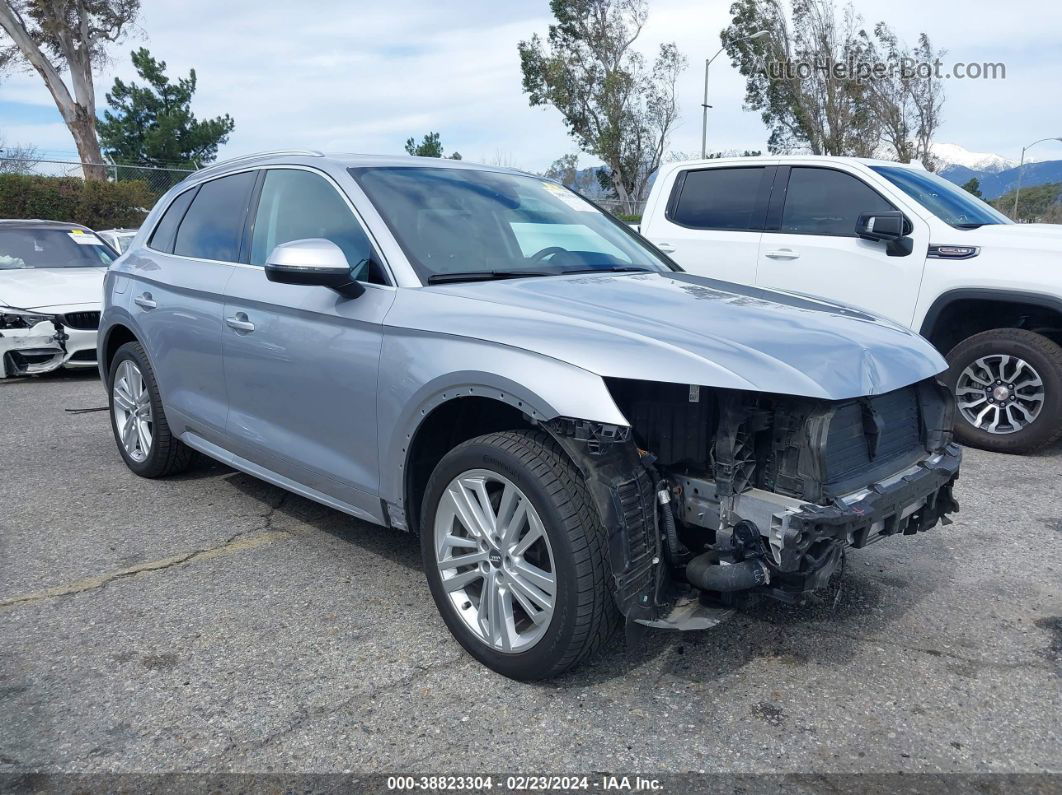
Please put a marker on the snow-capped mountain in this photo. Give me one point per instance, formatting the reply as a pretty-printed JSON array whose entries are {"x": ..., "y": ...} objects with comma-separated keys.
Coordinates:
[{"x": 955, "y": 155}]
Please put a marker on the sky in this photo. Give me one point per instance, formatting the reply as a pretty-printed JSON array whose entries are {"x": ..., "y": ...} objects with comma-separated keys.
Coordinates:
[{"x": 349, "y": 75}]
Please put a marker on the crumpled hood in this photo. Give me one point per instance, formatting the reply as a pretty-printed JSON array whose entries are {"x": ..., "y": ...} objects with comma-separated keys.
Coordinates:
[
  {"x": 36, "y": 288},
  {"x": 680, "y": 328}
]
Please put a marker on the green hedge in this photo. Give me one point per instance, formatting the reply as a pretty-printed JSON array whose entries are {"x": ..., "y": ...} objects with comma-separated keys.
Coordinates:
[{"x": 95, "y": 204}]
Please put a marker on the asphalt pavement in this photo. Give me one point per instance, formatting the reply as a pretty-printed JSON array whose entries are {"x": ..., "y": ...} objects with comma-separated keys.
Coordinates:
[{"x": 212, "y": 622}]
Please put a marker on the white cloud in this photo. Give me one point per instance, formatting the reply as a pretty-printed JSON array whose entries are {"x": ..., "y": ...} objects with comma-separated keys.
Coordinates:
[{"x": 360, "y": 76}]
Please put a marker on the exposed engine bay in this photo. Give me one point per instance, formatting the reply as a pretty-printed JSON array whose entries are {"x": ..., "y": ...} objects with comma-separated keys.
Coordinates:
[{"x": 713, "y": 494}]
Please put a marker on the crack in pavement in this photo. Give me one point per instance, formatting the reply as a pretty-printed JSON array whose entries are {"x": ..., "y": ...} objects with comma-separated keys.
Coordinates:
[
  {"x": 310, "y": 715},
  {"x": 934, "y": 652},
  {"x": 239, "y": 542}
]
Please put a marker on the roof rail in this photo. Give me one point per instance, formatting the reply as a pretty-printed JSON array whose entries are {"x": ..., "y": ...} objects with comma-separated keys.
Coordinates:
[{"x": 258, "y": 155}]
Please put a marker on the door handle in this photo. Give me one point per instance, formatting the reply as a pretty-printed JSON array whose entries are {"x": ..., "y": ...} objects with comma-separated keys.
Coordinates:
[
  {"x": 667, "y": 248},
  {"x": 240, "y": 323},
  {"x": 145, "y": 301},
  {"x": 782, "y": 253}
]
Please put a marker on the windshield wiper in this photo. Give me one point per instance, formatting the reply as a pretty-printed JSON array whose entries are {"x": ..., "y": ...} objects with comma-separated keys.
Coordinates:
[
  {"x": 609, "y": 269},
  {"x": 482, "y": 276}
]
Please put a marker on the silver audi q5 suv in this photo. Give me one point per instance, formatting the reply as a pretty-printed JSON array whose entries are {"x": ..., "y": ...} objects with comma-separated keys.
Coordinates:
[{"x": 579, "y": 432}]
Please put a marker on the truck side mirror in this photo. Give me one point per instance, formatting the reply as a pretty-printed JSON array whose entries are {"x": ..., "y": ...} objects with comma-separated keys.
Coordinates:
[{"x": 890, "y": 227}]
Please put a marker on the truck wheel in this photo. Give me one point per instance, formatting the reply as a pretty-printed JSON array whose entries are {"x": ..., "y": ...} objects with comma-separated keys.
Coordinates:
[
  {"x": 515, "y": 555},
  {"x": 137, "y": 419},
  {"x": 1008, "y": 387}
]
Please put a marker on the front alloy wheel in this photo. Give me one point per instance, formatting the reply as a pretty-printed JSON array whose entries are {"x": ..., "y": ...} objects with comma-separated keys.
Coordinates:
[
  {"x": 495, "y": 560},
  {"x": 515, "y": 555}
]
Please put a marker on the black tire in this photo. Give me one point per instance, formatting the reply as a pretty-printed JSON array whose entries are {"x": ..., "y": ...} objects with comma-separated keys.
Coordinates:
[
  {"x": 166, "y": 455},
  {"x": 1045, "y": 356},
  {"x": 585, "y": 613}
]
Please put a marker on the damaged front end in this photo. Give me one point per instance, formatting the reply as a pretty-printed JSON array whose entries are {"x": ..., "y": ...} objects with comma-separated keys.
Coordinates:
[
  {"x": 30, "y": 343},
  {"x": 714, "y": 494}
]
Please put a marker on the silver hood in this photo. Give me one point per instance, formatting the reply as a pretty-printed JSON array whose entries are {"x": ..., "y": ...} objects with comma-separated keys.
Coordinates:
[{"x": 680, "y": 328}]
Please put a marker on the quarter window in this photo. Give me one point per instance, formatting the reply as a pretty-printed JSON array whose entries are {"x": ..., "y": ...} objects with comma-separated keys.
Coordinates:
[
  {"x": 166, "y": 230},
  {"x": 821, "y": 201},
  {"x": 213, "y": 226},
  {"x": 719, "y": 198},
  {"x": 296, "y": 205}
]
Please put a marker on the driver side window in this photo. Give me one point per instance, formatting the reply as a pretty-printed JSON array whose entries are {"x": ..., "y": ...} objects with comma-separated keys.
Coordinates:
[{"x": 296, "y": 205}]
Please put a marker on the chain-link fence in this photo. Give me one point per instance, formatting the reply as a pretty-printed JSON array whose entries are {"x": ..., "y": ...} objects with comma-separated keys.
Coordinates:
[
  {"x": 158, "y": 180},
  {"x": 622, "y": 209}
]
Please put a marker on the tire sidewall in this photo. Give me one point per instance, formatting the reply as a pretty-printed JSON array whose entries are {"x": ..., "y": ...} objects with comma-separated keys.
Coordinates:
[
  {"x": 537, "y": 661},
  {"x": 1035, "y": 435},
  {"x": 155, "y": 461}
]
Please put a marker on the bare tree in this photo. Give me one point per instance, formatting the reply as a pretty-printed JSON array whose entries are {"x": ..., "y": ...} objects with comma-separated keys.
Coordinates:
[
  {"x": 18, "y": 159},
  {"x": 72, "y": 35},
  {"x": 907, "y": 96},
  {"x": 800, "y": 76},
  {"x": 614, "y": 105},
  {"x": 928, "y": 95}
]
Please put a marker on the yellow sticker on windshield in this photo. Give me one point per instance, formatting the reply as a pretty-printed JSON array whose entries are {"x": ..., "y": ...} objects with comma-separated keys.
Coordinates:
[{"x": 569, "y": 198}]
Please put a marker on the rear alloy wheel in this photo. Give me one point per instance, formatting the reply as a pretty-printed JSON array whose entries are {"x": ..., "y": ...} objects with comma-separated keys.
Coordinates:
[
  {"x": 515, "y": 555},
  {"x": 131, "y": 404},
  {"x": 1008, "y": 390},
  {"x": 138, "y": 419}
]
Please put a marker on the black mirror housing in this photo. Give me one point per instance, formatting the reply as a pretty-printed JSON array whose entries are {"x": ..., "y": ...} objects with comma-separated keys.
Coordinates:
[
  {"x": 890, "y": 227},
  {"x": 882, "y": 226}
]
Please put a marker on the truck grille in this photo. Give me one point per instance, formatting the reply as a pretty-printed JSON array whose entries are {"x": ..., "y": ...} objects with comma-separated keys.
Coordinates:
[{"x": 82, "y": 320}]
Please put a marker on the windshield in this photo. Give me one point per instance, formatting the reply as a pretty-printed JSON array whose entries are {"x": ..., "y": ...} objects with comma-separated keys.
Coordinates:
[
  {"x": 454, "y": 224},
  {"x": 52, "y": 248},
  {"x": 946, "y": 200}
]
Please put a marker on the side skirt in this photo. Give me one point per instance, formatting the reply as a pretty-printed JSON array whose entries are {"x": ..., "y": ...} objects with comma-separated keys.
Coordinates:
[{"x": 248, "y": 467}]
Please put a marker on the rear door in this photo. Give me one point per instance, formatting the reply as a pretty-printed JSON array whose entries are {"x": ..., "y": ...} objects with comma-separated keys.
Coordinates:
[
  {"x": 301, "y": 362},
  {"x": 810, "y": 246},
  {"x": 177, "y": 296},
  {"x": 712, "y": 221}
]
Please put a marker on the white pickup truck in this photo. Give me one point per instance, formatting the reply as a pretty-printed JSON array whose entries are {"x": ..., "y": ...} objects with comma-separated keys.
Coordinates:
[{"x": 902, "y": 243}]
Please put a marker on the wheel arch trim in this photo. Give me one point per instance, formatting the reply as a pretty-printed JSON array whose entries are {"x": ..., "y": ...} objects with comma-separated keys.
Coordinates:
[{"x": 944, "y": 300}]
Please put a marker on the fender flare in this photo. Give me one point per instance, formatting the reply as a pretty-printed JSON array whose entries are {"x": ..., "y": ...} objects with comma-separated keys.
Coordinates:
[
  {"x": 395, "y": 450},
  {"x": 944, "y": 300}
]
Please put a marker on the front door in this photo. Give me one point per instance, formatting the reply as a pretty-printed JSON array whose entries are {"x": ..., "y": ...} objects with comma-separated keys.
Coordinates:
[
  {"x": 810, "y": 245},
  {"x": 301, "y": 362}
]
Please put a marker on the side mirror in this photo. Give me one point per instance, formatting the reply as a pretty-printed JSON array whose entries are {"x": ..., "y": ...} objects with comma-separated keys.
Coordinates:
[
  {"x": 890, "y": 227},
  {"x": 313, "y": 261}
]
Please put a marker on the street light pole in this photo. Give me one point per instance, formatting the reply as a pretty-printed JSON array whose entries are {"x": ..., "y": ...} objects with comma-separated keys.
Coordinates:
[
  {"x": 759, "y": 34},
  {"x": 1021, "y": 171}
]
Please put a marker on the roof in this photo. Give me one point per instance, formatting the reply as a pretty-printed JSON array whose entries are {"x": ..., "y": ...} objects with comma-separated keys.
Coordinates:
[
  {"x": 341, "y": 159},
  {"x": 866, "y": 161}
]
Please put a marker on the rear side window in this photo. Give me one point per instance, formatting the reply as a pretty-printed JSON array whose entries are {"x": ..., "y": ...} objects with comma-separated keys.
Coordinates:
[
  {"x": 821, "y": 201},
  {"x": 719, "y": 198},
  {"x": 164, "y": 234},
  {"x": 213, "y": 226}
]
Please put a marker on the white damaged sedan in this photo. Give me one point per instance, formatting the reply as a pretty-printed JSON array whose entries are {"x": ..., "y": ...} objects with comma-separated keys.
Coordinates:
[{"x": 51, "y": 288}]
